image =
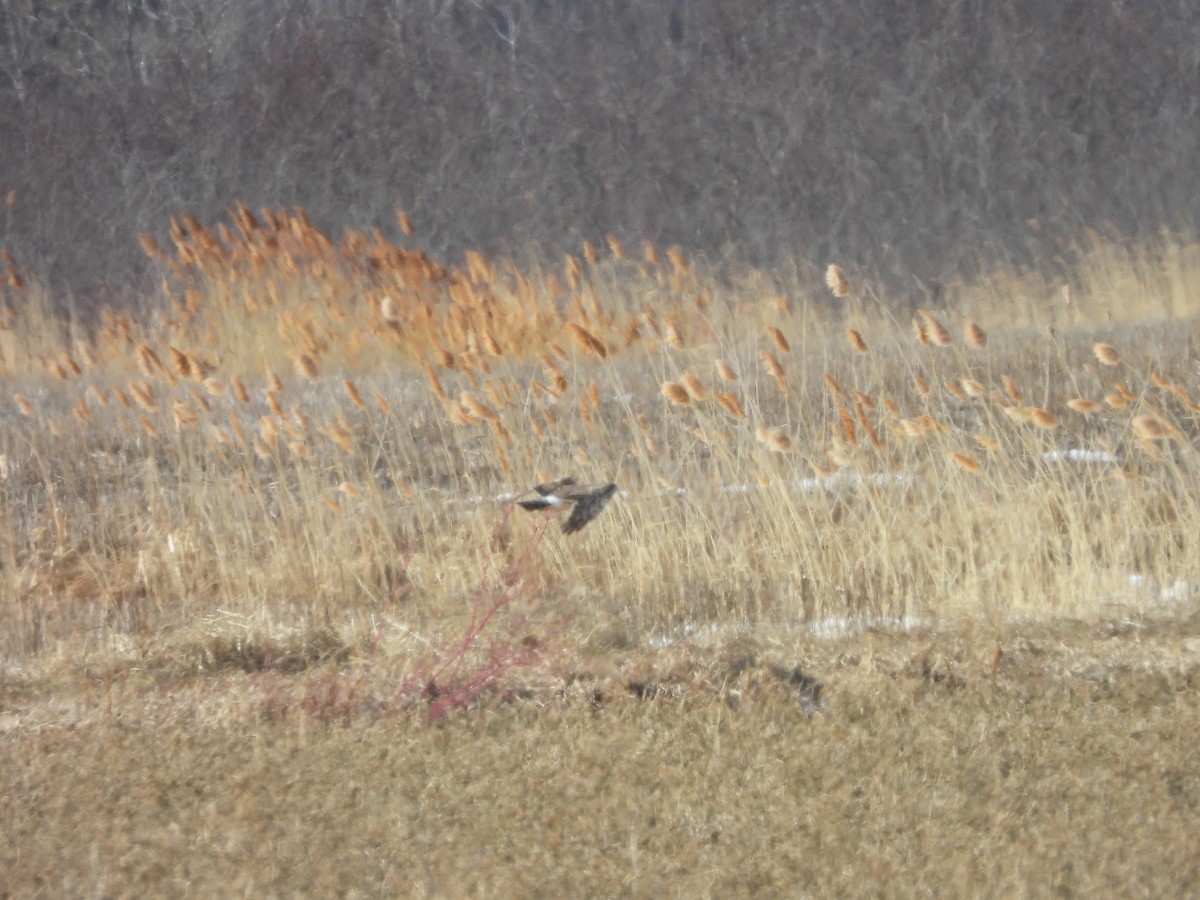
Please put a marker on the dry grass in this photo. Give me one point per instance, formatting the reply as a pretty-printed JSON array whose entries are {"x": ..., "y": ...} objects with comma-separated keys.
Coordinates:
[{"x": 270, "y": 526}]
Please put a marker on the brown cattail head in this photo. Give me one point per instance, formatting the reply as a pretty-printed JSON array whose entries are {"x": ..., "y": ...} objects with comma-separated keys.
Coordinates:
[
  {"x": 935, "y": 329},
  {"x": 1106, "y": 354},
  {"x": 775, "y": 439},
  {"x": 694, "y": 387},
  {"x": 676, "y": 393},
  {"x": 1149, "y": 428},
  {"x": 974, "y": 335},
  {"x": 856, "y": 341},
  {"x": 587, "y": 340},
  {"x": 965, "y": 461},
  {"x": 1043, "y": 418},
  {"x": 304, "y": 364},
  {"x": 726, "y": 371},
  {"x": 731, "y": 404},
  {"x": 835, "y": 280},
  {"x": 1084, "y": 407},
  {"x": 779, "y": 339}
]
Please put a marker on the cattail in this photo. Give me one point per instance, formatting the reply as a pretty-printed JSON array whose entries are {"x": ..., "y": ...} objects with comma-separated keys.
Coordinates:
[
  {"x": 974, "y": 335},
  {"x": 476, "y": 407},
  {"x": 96, "y": 394},
  {"x": 1020, "y": 414},
  {"x": 144, "y": 395},
  {"x": 554, "y": 375},
  {"x": 775, "y": 439},
  {"x": 1044, "y": 419},
  {"x": 340, "y": 436},
  {"x": 1085, "y": 407},
  {"x": 921, "y": 385},
  {"x": 672, "y": 335},
  {"x": 955, "y": 391},
  {"x": 731, "y": 404},
  {"x": 183, "y": 414},
  {"x": 180, "y": 361},
  {"x": 69, "y": 362},
  {"x": 694, "y": 387},
  {"x": 59, "y": 371},
  {"x": 919, "y": 333},
  {"x": 726, "y": 371},
  {"x": 650, "y": 253},
  {"x": 617, "y": 248},
  {"x": 305, "y": 367},
  {"x": 214, "y": 387},
  {"x": 349, "y": 489},
  {"x": 832, "y": 384},
  {"x": 676, "y": 393},
  {"x": 1116, "y": 401},
  {"x": 935, "y": 329},
  {"x": 1149, "y": 428},
  {"x": 149, "y": 362},
  {"x": 775, "y": 368},
  {"x": 966, "y": 462},
  {"x": 589, "y": 253},
  {"x": 678, "y": 261},
  {"x": 26, "y": 408},
  {"x": 779, "y": 339},
  {"x": 856, "y": 340},
  {"x": 352, "y": 392},
  {"x": 835, "y": 280},
  {"x": 445, "y": 358},
  {"x": 1106, "y": 354},
  {"x": 972, "y": 387},
  {"x": 300, "y": 418},
  {"x": 239, "y": 390},
  {"x": 274, "y": 385},
  {"x": 986, "y": 443},
  {"x": 1010, "y": 388},
  {"x": 149, "y": 245},
  {"x": 404, "y": 222},
  {"x": 587, "y": 340}
]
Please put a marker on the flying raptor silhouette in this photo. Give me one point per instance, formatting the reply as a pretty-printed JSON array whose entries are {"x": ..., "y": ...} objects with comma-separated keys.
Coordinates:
[{"x": 587, "y": 500}]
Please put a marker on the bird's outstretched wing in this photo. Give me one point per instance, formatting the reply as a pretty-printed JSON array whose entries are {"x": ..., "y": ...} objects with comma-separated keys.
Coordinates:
[{"x": 587, "y": 507}]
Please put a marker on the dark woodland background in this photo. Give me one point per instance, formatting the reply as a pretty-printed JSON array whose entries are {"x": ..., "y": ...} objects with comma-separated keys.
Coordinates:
[{"x": 916, "y": 138}]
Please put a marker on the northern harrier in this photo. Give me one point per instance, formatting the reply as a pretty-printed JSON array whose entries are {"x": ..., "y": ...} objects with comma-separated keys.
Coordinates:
[{"x": 587, "y": 500}]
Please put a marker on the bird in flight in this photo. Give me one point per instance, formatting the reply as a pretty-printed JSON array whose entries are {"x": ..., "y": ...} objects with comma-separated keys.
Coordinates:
[{"x": 586, "y": 500}]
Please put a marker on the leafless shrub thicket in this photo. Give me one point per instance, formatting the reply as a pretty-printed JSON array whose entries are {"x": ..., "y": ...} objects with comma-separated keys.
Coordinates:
[{"x": 915, "y": 138}]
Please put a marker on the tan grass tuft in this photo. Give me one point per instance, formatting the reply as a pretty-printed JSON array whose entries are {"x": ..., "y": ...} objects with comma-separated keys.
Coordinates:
[
  {"x": 856, "y": 340},
  {"x": 835, "y": 280},
  {"x": 1106, "y": 354},
  {"x": 974, "y": 335}
]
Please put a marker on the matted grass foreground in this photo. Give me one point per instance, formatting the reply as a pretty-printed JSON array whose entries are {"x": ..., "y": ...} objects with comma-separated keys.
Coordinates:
[{"x": 890, "y": 602}]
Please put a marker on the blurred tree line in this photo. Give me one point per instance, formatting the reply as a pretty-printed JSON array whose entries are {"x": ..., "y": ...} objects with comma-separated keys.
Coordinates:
[{"x": 918, "y": 138}]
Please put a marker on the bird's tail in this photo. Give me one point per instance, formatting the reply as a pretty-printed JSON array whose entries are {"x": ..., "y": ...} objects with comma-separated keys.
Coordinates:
[{"x": 536, "y": 503}]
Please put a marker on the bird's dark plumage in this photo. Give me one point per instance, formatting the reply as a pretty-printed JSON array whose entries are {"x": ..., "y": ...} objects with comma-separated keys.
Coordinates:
[{"x": 587, "y": 500}]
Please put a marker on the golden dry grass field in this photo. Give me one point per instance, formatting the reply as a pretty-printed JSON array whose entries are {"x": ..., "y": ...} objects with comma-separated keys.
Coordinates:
[{"x": 887, "y": 602}]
